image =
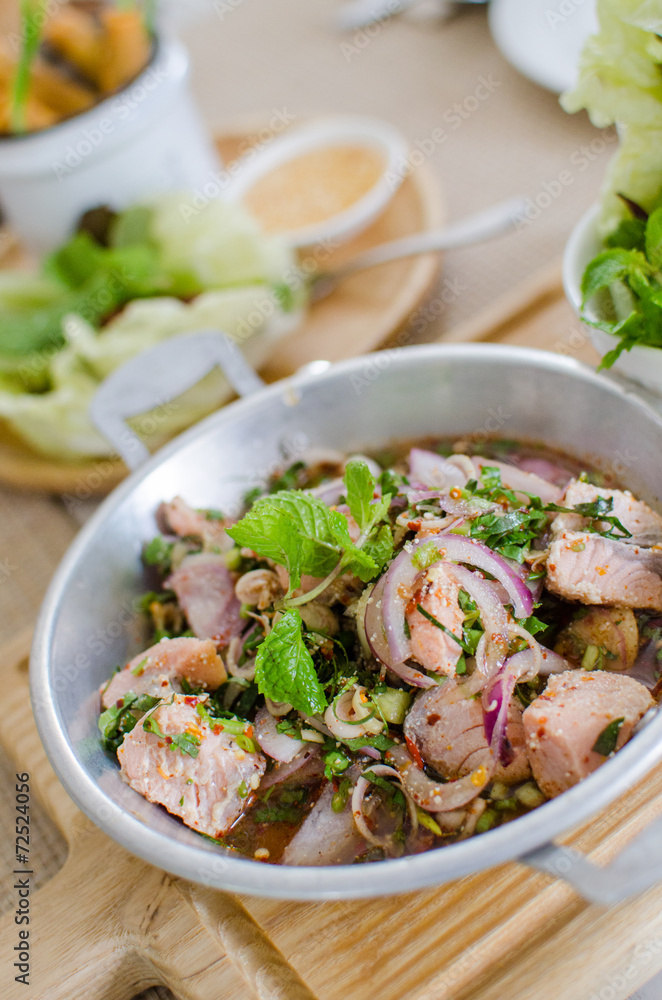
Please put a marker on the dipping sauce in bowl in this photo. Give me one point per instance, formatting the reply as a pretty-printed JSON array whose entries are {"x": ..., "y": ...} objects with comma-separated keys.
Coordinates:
[
  {"x": 314, "y": 186},
  {"x": 327, "y": 180}
]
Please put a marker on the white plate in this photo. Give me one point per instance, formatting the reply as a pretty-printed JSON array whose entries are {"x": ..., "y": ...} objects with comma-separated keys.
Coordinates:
[{"x": 543, "y": 38}]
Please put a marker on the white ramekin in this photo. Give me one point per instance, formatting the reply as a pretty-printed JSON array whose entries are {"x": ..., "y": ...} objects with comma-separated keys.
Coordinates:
[
  {"x": 354, "y": 130},
  {"x": 143, "y": 140}
]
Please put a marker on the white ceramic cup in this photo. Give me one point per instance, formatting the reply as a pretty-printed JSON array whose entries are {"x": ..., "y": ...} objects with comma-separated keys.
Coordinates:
[{"x": 146, "y": 139}]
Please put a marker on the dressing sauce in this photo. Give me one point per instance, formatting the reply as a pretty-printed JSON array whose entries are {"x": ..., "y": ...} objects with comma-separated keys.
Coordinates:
[{"x": 313, "y": 187}]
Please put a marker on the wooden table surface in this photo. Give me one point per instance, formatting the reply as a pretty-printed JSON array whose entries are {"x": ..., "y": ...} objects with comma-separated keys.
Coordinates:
[{"x": 252, "y": 57}]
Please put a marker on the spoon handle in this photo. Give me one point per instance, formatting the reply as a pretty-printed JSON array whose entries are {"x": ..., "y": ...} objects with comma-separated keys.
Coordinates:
[{"x": 482, "y": 226}]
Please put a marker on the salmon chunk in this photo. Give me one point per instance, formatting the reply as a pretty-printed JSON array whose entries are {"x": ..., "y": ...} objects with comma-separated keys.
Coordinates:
[
  {"x": 447, "y": 730},
  {"x": 209, "y": 791},
  {"x": 204, "y": 589},
  {"x": 433, "y": 648},
  {"x": 564, "y": 723},
  {"x": 159, "y": 670},
  {"x": 644, "y": 525},
  {"x": 595, "y": 570}
]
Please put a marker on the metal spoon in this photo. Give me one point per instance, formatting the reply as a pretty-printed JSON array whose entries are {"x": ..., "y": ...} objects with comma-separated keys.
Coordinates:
[
  {"x": 356, "y": 14},
  {"x": 484, "y": 225}
]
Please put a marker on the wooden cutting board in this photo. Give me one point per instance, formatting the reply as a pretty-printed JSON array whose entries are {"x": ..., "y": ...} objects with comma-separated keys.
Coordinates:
[
  {"x": 358, "y": 316},
  {"x": 108, "y": 925}
]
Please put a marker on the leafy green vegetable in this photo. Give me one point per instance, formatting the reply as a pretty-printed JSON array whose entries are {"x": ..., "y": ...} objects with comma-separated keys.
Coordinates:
[
  {"x": 300, "y": 532},
  {"x": 186, "y": 743},
  {"x": 158, "y": 553},
  {"x": 284, "y": 669},
  {"x": 608, "y": 738},
  {"x": 116, "y": 721}
]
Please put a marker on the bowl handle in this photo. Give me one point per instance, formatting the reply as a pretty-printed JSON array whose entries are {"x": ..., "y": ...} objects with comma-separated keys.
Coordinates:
[
  {"x": 157, "y": 376},
  {"x": 637, "y": 867}
]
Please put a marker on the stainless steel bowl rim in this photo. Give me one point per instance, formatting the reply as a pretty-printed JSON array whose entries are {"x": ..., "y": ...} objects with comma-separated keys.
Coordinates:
[{"x": 507, "y": 842}]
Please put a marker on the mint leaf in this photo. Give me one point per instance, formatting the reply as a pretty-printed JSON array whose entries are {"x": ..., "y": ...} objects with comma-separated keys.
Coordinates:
[
  {"x": 609, "y": 266},
  {"x": 360, "y": 484},
  {"x": 272, "y": 533},
  {"x": 379, "y": 547},
  {"x": 284, "y": 669},
  {"x": 630, "y": 234}
]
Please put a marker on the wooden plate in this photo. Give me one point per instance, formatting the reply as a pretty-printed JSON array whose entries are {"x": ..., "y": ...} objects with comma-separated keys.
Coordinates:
[{"x": 358, "y": 316}]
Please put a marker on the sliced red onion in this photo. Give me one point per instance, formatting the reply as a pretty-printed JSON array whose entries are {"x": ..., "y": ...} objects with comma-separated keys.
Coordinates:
[
  {"x": 433, "y": 796},
  {"x": 459, "y": 506},
  {"x": 375, "y": 635},
  {"x": 280, "y": 746},
  {"x": 496, "y": 703},
  {"x": 525, "y": 662},
  {"x": 358, "y": 795},
  {"x": 518, "y": 480},
  {"x": 285, "y": 770},
  {"x": 402, "y": 574},
  {"x": 434, "y": 470},
  {"x": 371, "y": 752},
  {"x": 497, "y": 695}
]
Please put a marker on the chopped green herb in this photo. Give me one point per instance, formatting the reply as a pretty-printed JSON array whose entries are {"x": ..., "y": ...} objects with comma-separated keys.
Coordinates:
[
  {"x": 608, "y": 738},
  {"x": 435, "y": 621},
  {"x": 185, "y": 742},
  {"x": 159, "y": 553}
]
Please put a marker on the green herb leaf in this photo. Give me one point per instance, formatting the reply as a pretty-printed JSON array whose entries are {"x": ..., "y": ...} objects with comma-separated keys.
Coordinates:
[
  {"x": 284, "y": 669},
  {"x": 360, "y": 484},
  {"x": 431, "y": 618},
  {"x": 159, "y": 553},
  {"x": 608, "y": 738},
  {"x": 185, "y": 742}
]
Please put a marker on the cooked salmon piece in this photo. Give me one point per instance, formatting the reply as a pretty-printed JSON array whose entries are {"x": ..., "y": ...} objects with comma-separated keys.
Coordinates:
[
  {"x": 563, "y": 724},
  {"x": 189, "y": 523},
  {"x": 433, "y": 648},
  {"x": 159, "y": 670},
  {"x": 595, "y": 570},
  {"x": 204, "y": 589},
  {"x": 447, "y": 730},
  {"x": 636, "y": 516},
  {"x": 210, "y": 790}
]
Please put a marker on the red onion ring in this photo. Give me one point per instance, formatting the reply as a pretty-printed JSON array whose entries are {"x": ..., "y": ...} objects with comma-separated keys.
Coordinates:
[
  {"x": 358, "y": 795},
  {"x": 376, "y": 638},
  {"x": 431, "y": 795},
  {"x": 433, "y": 469},
  {"x": 280, "y": 746},
  {"x": 518, "y": 480},
  {"x": 402, "y": 574}
]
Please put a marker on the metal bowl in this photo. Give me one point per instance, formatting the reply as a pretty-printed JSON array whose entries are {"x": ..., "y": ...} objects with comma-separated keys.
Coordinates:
[{"x": 88, "y": 622}]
